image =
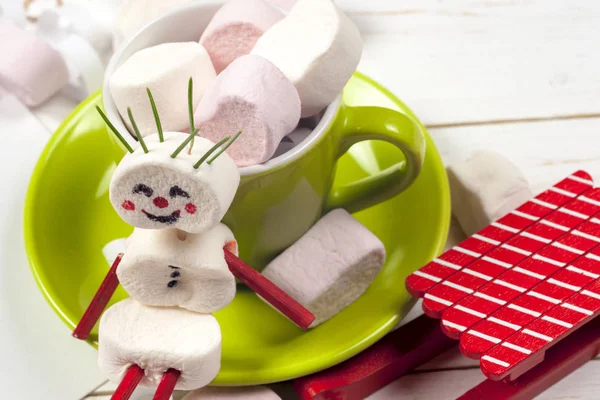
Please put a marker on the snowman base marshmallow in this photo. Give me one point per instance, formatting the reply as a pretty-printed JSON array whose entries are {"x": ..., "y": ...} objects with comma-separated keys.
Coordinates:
[{"x": 158, "y": 339}]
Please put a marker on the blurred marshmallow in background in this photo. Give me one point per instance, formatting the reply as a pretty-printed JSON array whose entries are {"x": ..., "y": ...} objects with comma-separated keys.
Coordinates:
[
  {"x": 135, "y": 14},
  {"x": 35, "y": 70},
  {"x": 56, "y": 47}
]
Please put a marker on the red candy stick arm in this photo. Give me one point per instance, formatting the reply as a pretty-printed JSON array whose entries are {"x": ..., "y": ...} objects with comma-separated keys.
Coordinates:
[
  {"x": 132, "y": 378},
  {"x": 99, "y": 302},
  {"x": 167, "y": 385},
  {"x": 269, "y": 291},
  {"x": 393, "y": 356},
  {"x": 565, "y": 357}
]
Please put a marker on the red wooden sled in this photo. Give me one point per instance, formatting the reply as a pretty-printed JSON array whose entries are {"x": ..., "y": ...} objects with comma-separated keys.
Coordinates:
[{"x": 509, "y": 293}]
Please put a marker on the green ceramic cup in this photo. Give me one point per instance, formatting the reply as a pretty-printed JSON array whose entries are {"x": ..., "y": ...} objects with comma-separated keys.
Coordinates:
[{"x": 278, "y": 201}]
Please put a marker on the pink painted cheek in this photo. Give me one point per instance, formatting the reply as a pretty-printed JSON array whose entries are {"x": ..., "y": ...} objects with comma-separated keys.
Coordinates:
[
  {"x": 190, "y": 208},
  {"x": 128, "y": 205}
]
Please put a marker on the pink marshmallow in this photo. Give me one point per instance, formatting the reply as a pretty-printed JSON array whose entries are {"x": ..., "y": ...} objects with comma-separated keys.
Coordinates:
[
  {"x": 235, "y": 28},
  {"x": 232, "y": 393},
  {"x": 30, "y": 68},
  {"x": 251, "y": 95}
]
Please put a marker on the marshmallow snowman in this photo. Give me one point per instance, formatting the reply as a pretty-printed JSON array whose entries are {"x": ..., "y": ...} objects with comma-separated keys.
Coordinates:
[
  {"x": 174, "y": 189},
  {"x": 161, "y": 269},
  {"x": 156, "y": 191}
]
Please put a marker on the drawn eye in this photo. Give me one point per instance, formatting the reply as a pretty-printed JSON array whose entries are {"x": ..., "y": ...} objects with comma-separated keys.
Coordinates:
[
  {"x": 140, "y": 188},
  {"x": 177, "y": 191}
]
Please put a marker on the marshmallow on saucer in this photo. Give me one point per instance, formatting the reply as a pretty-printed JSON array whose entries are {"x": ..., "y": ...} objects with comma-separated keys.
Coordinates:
[
  {"x": 254, "y": 96},
  {"x": 317, "y": 47},
  {"x": 166, "y": 70},
  {"x": 235, "y": 28},
  {"x": 162, "y": 268},
  {"x": 329, "y": 267},
  {"x": 233, "y": 393},
  {"x": 30, "y": 68},
  {"x": 155, "y": 191},
  {"x": 156, "y": 339},
  {"x": 484, "y": 188},
  {"x": 133, "y": 15}
]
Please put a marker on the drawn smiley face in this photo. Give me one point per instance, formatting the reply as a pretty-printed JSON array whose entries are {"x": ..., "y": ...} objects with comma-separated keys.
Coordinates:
[
  {"x": 156, "y": 191},
  {"x": 176, "y": 197}
]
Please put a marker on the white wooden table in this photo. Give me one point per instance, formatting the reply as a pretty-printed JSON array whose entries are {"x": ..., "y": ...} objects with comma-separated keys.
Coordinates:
[{"x": 518, "y": 77}]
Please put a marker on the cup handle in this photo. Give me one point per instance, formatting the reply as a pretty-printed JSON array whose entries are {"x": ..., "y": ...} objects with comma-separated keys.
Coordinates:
[{"x": 378, "y": 123}]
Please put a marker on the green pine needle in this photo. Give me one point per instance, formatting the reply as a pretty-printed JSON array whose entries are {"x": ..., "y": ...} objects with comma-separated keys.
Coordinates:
[
  {"x": 209, "y": 152},
  {"x": 137, "y": 131},
  {"x": 114, "y": 130},
  {"x": 225, "y": 148},
  {"x": 184, "y": 143},
  {"x": 156, "y": 117},
  {"x": 191, "y": 110}
]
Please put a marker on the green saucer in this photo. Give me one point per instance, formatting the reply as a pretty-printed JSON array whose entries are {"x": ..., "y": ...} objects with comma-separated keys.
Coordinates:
[{"x": 69, "y": 219}]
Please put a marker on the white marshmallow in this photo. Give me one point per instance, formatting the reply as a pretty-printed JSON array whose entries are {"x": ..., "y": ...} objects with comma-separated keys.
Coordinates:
[
  {"x": 235, "y": 28},
  {"x": 292, "y": 140},
  {"x": 161, "y": 269},
  {"x": 317, "y": 47},
  {"x": 112, "y": 249},
  {"x": 329, "y": 267},
  {"x": 233, "y": 393},
  {"x": 155, "y": 191},
  {"x": 166, "y": 70},
  {"x": 157, "y": 339},
  {"x": 133, "y": 15},
  {"x": 484, "y": 188},
  {"x": 299, "y": 134}
]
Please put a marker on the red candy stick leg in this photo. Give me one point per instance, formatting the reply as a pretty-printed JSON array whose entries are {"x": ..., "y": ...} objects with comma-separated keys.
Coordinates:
[
  {"x": 167, "y": 385},
  {"x": 396, "y": 354},
  {"x": 99, "y": 302},
  {"x": 269, "y": 291},
  {"x": 132, "y": 378},
  {"x": 565, "y": 357}
]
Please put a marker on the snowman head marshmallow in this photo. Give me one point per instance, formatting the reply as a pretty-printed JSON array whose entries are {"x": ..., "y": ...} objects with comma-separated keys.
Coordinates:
[{"x": 173, "y": 179}]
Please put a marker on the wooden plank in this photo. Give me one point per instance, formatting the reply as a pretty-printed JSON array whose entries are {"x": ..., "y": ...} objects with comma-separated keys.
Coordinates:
[
  {"x": 544, "y": 151},
  {"x": 582, "y": 384},
  {"x": 464, "y": 61}
]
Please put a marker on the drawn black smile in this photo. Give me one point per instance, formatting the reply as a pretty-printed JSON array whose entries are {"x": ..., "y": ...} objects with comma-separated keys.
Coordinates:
[{"x": 164, "y": 219}]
